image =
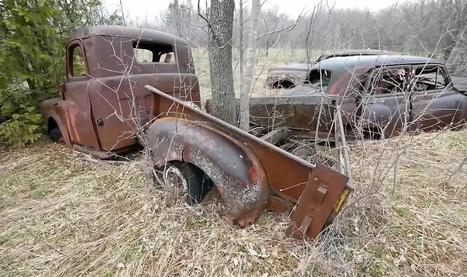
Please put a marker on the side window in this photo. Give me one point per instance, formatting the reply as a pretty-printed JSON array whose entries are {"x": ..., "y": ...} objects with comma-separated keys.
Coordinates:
[
  {"x": 150, "y": 52},
  {"x": 77, "y": 65},
  {"x": 429, "y": 78},
  {"x": 390, "y": 80},
  {"x": 319, "y": 78}
]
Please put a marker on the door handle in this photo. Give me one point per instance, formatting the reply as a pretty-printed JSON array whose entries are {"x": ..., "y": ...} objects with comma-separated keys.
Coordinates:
[{"x": 100, "y": 122}]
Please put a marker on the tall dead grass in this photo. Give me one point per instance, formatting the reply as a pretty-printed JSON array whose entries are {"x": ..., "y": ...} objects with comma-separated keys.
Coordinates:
[{"x": 63, "y": 213}]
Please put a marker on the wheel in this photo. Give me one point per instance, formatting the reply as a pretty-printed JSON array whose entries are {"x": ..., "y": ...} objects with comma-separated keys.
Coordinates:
[
  {"x": 55, "y": 135},
  {"x": 193, "y": 181}
]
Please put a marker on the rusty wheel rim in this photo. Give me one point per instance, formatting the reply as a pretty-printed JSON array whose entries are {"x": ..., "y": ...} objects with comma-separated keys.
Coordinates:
[{"x": 173, "y": 177}]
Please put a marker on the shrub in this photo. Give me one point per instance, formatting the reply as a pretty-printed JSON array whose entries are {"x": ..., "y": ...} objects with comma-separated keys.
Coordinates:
[{"x": 32, "y": 54}]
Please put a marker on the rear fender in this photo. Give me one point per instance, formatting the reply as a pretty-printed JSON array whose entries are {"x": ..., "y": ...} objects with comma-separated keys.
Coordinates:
[{"x": 234, "y": 170}]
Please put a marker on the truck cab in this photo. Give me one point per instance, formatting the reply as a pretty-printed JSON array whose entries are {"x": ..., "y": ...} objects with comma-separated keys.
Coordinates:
[{"x": 103, "y": 103}]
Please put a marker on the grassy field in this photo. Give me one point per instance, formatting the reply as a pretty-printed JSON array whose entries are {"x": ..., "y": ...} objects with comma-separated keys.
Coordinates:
[{"x": 63, "y": 213}]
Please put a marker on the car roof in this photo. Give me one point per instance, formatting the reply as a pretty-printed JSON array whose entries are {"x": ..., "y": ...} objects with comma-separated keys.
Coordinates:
[
  {"x": 350, "y": 63},
  {"x": 127, "y": 32},
  {"x": 352, "y": 52},
  {"x": 339, "y": 66}
]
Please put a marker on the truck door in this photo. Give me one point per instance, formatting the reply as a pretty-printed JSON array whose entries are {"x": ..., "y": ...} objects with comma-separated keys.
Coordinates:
[
  {"x": 435, "y": 103},
  {"x": 120, "y": 104},
  {"x": 385, "y": 105},
  {"x": 76, "y": 96}
]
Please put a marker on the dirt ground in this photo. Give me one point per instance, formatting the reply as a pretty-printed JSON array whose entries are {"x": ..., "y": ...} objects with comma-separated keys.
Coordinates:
[{"x": 63, "y": 213}]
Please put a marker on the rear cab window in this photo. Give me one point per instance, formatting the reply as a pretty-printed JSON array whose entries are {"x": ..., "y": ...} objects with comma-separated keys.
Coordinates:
[{"x": 153, "y": 53}]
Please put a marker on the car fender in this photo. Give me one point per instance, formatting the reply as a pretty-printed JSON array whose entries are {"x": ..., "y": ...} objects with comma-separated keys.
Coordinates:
[{"x": 233, "y": 168}]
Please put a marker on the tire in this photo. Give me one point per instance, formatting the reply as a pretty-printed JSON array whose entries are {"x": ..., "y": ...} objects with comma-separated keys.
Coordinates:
[
  {"x": 55, "y": 135},
  {"x": 195, "y": 183}
]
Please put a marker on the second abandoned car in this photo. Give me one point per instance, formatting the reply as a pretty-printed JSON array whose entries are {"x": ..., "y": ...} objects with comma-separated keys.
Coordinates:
[
  {"x": 127, "y": 86},
  {"x": 294, "y": 74},
  {"x": 378, "y": 95}
]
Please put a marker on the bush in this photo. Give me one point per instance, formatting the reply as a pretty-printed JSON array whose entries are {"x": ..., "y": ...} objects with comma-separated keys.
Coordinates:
[{"x": 32, "y": 54}]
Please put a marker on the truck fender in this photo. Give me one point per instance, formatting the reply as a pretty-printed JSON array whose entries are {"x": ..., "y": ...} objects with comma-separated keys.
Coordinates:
[
  {"x": 52, "y": 109},
  {"x": 233, "y": 168}
]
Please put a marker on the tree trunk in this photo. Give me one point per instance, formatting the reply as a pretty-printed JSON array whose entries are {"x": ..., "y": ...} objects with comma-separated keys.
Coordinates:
[
  {"x": 241, "y": 46},
  {"x": 220, "y": 59},
  {"x": 457, "y": 60},
  {"x": 178, "y": 19},
  {"x": 250, "y": 66}
]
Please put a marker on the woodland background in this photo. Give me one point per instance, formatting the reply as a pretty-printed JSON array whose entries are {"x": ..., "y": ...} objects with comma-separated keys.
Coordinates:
[{"x": 33, "y": 36}]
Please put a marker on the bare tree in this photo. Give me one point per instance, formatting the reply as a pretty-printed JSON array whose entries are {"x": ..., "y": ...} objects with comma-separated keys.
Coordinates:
[
  {"x": 240, "y": 43},
  {"x": 250, "y": 62},
  {"x": 457, "y": 60},
  {"x": 220, "y": 25}
]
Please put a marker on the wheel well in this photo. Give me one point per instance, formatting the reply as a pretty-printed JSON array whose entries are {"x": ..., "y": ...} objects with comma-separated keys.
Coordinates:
[
  {"x": 51, "y": 124},
  {"x": 205, "y": 183},
  {"x": 198, "y": 169},
  {"x": 283, "y": 84}
]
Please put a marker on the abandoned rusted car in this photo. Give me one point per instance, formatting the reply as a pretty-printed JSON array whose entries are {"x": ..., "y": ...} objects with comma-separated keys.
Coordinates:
[
  {"x": 294, "y": 74},
  {"x": 378, "y": 95},
  {"x": 128, "y": 86}
]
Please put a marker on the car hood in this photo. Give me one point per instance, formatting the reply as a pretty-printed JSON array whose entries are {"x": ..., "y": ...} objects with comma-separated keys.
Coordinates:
[
  {"x": 303, "y": 90},
  {"x": 292, "y": 66}
]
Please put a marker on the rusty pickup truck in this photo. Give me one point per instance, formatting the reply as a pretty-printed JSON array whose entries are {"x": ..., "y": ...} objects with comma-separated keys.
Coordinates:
[
  {"x": 379, "y": 96},
  {"x": 128, "y": 86}
]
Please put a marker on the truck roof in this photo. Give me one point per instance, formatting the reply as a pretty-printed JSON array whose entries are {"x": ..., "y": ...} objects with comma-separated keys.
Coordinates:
[{"x": 127, "y": 32}]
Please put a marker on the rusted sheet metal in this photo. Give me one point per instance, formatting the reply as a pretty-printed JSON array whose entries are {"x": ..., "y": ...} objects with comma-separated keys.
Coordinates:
[
  {"x": 276, "y": 135},
  {"x": 317, "y": 199},
  {"x": 52, "y": 111},
  {"x": 294, "y": 112},
  {"x": 237, "y": 173},
  {"x": 286, "y": 175},
  {"x": 104, "y": 108}
]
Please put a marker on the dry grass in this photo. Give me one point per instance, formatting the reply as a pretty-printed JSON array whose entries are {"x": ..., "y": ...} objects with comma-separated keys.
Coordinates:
[{"x": 63, "y": 213}]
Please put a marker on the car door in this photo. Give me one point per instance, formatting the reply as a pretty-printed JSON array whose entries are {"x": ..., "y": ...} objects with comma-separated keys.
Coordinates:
[
  {"x": 385, "y": 106},
  {"x": 76, "y": 95},
  {"x": 435, "y": 102}
]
